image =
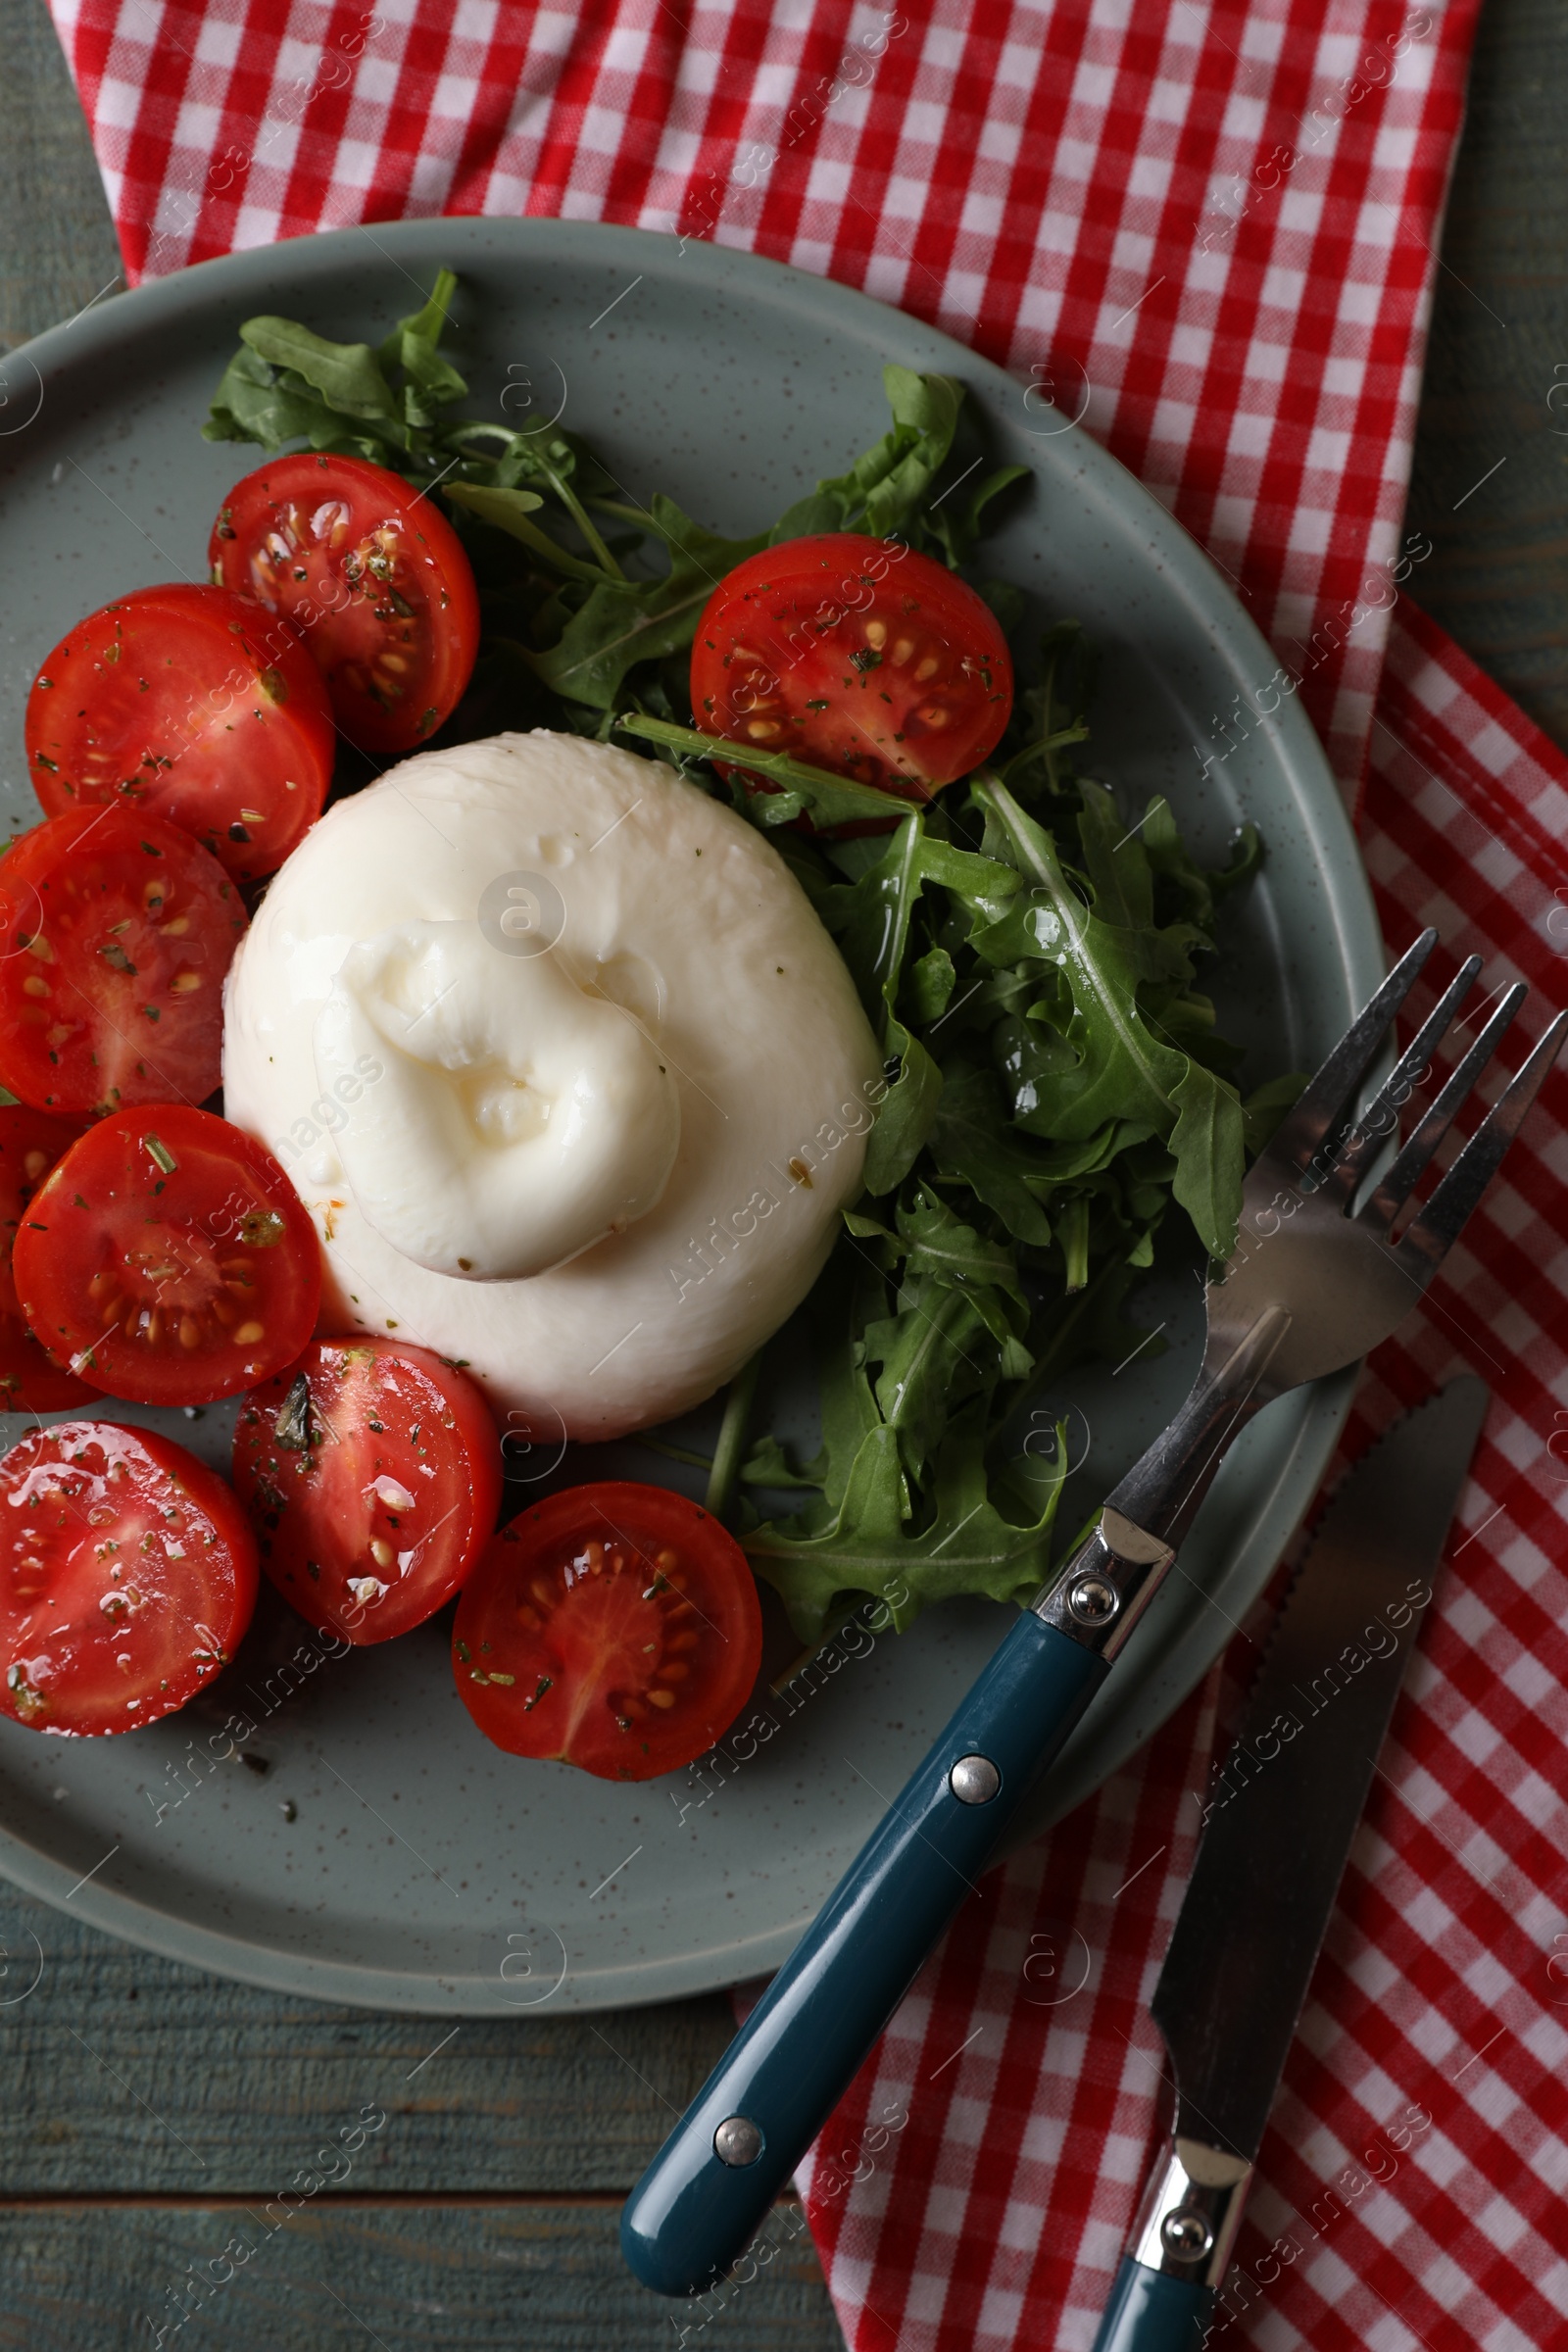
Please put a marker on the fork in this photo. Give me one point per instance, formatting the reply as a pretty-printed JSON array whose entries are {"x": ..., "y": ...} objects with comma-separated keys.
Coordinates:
[{"x": 1318, "y": 1276}]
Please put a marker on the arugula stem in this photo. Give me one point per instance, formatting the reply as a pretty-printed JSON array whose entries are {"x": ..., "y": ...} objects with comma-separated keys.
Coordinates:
[
  {"x": 1045, "y": 746},
  {"x": 777, "y": 767},
  {"x": 627, "y": 513},
  {"x": 676, "y": 1453},
  {"x": 519, "y": 527},
  {"x": 732, "y": 1435},
  {"x": 583, "y": 520},
  {"x": 1072, "y": 1231},
  {"x": 558, "y": 481}
]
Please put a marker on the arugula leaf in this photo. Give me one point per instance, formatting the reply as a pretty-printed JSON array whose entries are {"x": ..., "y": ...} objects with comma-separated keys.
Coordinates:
[
  {"x": 958, "y": 530},
  {"x": 627, "y": 622},
  {"x": 512, "y": 511},
  {"x": 425, "y": 326},
  {"x": 885, "y": 487},
  {"x": 1207, "y": 1145},
  {"x": 1122, "y": 1070},
  {"x": 251, "y": 404},
  {"x": 864, "y": 1545},
  {"x": 905, "y": 1113},
  {"x": 1265, "y": 1107},
  {"x": 971, "y": 1141},
  {"x": 347, "y": 375},
  {"x": 939, "y": 1244}
]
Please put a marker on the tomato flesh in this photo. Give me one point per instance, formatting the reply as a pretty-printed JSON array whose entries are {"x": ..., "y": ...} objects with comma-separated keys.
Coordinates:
[
  {"x": 116, "y": 932},
  {"x": 615, "y": 1627},
  {"x": 30, "y": 1143},
  {"x": 374, "y": 578},
  {"x": 371, "y": 1475},
  {"x": 196, "y": 705},
  {"x": 128, "y": 1578},
  {"x": 856, "y": 654},
  {"x": 168, "y": 1259}
]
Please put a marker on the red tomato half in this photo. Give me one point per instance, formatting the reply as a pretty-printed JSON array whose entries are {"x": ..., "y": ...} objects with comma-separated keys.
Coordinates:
[
  {"x": 169, "y": 1257},
  {"x": 613, "y": 1626},
  {"x": 374, "y": 578},
  {"x": 194, "y": 703},
  {"x": 856, "y": 654},
  {"x": 31, "y": 1142},
  {"x": 373, "y": 1478},
  {"x": 127, "y": 1577},
  {"x": 115, "y": 931}
]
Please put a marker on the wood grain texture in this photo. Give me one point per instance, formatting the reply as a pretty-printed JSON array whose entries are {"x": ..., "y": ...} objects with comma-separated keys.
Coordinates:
[
  {"x": 342, "y": 2281},
  {"x": 130, "y": 2079},
  {"x": 125, "y": 2072},
  {"x": 1499, "y": 341},
  {"x": 56, "y": 247}
]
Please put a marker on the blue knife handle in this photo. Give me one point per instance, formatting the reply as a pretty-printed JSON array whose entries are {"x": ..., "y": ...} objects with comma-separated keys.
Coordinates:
[
  {"x": 692, "y": 2214},
  {"x": 1150, "y": 2312}
]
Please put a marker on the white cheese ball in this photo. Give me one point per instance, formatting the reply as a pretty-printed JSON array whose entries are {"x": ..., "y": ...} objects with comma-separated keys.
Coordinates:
[{"x": 567, "y": 1072}]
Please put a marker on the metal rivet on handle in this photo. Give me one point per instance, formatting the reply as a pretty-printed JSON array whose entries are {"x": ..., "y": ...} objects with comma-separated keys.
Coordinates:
[
  {"x": 974, "y": 1780},
  {"x": 1092, "y": 1601},
  {"x": 1186, "y": 2236},
  {"x": 737, "y": 2142}
]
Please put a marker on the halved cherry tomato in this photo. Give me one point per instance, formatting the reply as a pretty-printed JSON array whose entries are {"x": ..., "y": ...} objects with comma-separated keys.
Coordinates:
[
  {"x": 31, "y": 1142},
  {"x": 115, "y": 931},
  {"x": 375, "y": 581},
  {"x": 194, "y": 703},
  {"x": 858, "y": 654},
  {"x": 168, "y": 1258},
  {"x": 127, "y": 1577},
  {"x": 373, "y": 1476},
  {"x": 615, "y": 1627}
]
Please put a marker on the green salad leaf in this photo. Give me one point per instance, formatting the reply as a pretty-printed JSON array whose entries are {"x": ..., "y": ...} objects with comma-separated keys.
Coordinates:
[{"x": 1027, "y": 950}]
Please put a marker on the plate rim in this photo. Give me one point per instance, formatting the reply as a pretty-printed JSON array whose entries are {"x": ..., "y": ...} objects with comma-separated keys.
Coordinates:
[{"x": 1347, "y": 905}]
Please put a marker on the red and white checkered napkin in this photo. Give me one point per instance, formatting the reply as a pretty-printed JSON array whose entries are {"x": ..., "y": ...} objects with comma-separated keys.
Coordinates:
[{"x": 1207, "y": 226}]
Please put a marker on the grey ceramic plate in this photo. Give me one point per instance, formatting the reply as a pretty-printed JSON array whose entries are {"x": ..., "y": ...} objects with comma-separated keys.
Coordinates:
[{"x": 423, "y": 1870}]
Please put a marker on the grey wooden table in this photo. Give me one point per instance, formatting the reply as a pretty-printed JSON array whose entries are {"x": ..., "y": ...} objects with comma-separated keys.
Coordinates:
[{"x": 148, "y": 2113}]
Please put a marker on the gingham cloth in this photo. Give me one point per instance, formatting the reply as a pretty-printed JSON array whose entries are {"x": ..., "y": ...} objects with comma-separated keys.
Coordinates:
[{"x": 1205, "y": 226}]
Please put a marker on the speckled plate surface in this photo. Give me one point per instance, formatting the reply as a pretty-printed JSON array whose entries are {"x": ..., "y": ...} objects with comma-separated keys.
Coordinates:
[{"x": 375, "y": 1849}]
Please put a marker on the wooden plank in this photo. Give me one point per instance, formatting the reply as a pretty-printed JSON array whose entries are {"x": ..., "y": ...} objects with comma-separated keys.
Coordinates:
[
  {"x": 57, "y": 246},
  {"x": 1498, "y": 345},
  {"x": 341, "y": 2280},
  {"x": 124, "y": 2071}
]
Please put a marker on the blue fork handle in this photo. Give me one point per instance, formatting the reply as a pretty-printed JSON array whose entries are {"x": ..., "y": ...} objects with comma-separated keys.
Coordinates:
[
  {"x": 1148, "y": 2312},
  {"x": 692, "y": 2213}
]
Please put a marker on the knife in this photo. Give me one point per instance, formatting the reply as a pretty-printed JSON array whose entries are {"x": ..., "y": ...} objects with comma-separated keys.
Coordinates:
[{"x": 1278, "y": 1827}]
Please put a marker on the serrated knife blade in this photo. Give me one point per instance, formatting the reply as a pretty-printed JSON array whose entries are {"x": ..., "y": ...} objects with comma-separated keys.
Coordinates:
[{"x": 1279, "y": 1822}]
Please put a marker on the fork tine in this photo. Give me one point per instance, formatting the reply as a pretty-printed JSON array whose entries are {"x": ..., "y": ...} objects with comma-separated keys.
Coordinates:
[
  {"x": 1399, "y": 1180},
  {"x": 1321, "y": 1106},
  {"x": 1430, "y": 1236},
  {"x": 1381, "y": 1120}
]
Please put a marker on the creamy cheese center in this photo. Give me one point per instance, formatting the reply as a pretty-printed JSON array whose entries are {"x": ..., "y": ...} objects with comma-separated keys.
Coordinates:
[{"x": 523, "y": 1116}]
